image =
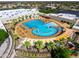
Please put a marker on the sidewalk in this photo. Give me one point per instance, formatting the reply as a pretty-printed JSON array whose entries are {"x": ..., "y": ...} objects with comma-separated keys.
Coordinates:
[{"x": 10, "y": 47}]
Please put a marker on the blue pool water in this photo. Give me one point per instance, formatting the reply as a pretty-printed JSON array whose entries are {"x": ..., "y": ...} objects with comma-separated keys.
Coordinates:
[
  {"x": 41, "y": 28},
  {"x": 44, "y": 31},
  {"x": 33, "y": 23}
]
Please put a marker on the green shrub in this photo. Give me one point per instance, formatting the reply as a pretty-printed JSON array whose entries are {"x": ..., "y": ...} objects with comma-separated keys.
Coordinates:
[
  {"x": 3, "y": 35},
  {"x": 48, "y": 10},
  {"x": 60, "y": 53}
]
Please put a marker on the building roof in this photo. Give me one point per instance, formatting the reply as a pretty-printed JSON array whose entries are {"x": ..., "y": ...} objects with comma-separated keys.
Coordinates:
[
  {"x": 10, "y": 14},
  {"x": 64, "y": 15}
]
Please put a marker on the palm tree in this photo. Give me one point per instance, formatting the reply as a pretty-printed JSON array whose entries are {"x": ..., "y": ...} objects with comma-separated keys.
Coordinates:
[
  {"x": 29, "y": 16},
  {"x": 27, "y": 44},
  {"x": 51, "y": 45},
  {"x": 22, "y": 17},
  {"x": 26, "y": 16},
  {"x": 39, "y": 45},
  {"x": 19, "y": 19},
  {"x": 60, "y": 52}
]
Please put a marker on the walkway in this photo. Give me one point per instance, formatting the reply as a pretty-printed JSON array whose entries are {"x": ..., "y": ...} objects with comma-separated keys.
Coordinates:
[{"x": 10, "y": 47}]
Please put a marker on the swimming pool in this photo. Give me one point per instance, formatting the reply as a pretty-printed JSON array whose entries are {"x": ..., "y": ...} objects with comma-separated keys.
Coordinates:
[{"x": 41, "y": 28}]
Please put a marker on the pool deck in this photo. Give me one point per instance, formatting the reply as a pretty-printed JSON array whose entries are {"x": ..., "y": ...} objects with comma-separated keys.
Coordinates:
[{"x": 25, "y": 32}]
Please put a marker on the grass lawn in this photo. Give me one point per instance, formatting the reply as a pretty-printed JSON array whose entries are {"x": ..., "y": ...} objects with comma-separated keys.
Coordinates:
[{"x": 3, "y": 35}]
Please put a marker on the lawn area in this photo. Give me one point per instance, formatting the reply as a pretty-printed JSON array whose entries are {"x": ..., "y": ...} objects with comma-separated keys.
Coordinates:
[
  {"x": 48, "y": 10},
  {"x": 3, "y": 35}
]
